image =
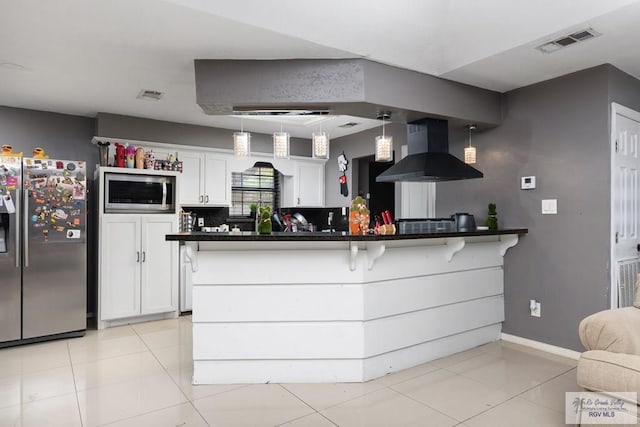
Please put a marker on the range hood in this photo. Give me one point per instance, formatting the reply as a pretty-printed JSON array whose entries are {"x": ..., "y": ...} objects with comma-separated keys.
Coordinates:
[{"x": 428, "y": 156}]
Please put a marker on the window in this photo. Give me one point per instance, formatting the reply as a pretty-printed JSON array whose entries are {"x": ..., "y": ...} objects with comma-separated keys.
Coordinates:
[{"x": 259, "y": 185}]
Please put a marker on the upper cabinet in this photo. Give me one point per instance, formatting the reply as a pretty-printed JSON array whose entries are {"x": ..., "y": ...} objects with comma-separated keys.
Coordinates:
[
  {"x": 309, "y": 184},
  {"x": 205, "y": 179},
  {"x": 206, "y": 173}
]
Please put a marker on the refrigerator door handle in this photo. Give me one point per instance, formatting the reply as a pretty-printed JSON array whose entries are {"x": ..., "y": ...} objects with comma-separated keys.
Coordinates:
[
  {"x": 18, "y": 234},
  {"x": 26, "y": 230},
  {"x": 164, "y": 195}
]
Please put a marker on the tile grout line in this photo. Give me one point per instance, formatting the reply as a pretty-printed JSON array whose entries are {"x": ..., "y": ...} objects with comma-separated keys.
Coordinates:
[
  {"x": 75, "y": 386},
  {"x": 518, "y": 395},
  {"x": 172, "y": 379},
  {"x": 311, "y": 407},
  {"x": 422, "y": 403}
]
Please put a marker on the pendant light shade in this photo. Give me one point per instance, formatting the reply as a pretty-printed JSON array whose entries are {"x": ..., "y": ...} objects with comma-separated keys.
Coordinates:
[
  {"x": 280, "y": 145},
  {"x": 470, "y": 155},
  {"x": 384, "y": 144},
  {"x": 242, "y": 144},
  {"x": 320, "y": 145},
  {"x": 384, "y": 148},
  {"x": 470, "y": 151}
]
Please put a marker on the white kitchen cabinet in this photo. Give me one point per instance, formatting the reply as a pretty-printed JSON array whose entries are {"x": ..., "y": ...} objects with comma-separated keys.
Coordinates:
[
  {"x": 138, "y": 268},
  {"x": 205, "y": 179},
  {"x": 309, "y": 184},
  {"x": 191, "y": 191}
]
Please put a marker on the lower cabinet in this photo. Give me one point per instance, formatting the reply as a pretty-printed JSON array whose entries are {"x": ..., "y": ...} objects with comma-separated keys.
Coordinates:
[{"x": 138, "y": 267}]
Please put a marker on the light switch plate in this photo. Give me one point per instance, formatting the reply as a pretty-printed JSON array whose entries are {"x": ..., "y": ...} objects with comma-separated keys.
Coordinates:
[
  {"x": 550, "y": 207},
  {"x": 527, "y": 182}
]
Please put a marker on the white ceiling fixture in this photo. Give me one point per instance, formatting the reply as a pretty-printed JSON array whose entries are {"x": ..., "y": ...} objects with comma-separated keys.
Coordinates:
[
  {"x": 348, "y": 125},
  {"x": 150, "y": 95},
  {"x": 568, "y": 40}
]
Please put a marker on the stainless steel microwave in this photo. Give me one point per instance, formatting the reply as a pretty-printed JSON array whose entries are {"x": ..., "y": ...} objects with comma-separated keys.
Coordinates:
[{"x": 138, "y": 193}]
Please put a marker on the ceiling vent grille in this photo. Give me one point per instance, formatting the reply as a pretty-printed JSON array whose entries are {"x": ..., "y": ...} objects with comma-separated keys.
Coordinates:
[
  {"x": 348, "y": 125},
  {"x": 150, "y": 95},
  {"x": 568, "y": 40}
]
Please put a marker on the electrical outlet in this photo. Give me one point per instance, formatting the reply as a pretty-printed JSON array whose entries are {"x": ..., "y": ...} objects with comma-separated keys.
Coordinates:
[
  {"x": 534, "y": 307},
  {"x": 200, "y": 222}
]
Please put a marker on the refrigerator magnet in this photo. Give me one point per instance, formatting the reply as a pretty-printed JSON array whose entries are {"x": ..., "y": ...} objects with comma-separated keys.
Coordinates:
[
  {"x": 73, "y": 234},
  {"x": 60, "y": 214},
  {"x": 8, "y": 201}
]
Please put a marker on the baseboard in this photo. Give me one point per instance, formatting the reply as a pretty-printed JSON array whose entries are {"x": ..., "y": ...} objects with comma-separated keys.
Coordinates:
[{"x": 558, "y": 351}]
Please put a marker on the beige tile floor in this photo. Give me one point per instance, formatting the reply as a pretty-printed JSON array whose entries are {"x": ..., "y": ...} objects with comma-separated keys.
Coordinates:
[{"x": 140, "y": 375}]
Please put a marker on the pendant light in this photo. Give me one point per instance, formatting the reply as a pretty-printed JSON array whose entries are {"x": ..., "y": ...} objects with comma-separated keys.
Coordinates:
[
  {"x": 241, "y": 142},
  {"x": 384, "y": 144},
  {"x": 320, "y": 145},
  {"x": 280, "y": 145},
  {"x": 470, "y": 151}
]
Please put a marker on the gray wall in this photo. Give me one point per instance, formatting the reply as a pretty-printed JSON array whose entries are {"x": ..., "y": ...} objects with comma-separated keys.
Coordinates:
[
  {"x": 63, "y": 137},
  {"x": 624, "y": 89},
  {"x": 354, "y": 146},
  {"x": 136, "y": 128},
  {"x": 558, "y": 131}
]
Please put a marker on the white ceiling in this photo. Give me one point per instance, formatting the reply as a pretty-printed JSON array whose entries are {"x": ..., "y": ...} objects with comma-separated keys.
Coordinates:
[{"x": 87, "y": 56}]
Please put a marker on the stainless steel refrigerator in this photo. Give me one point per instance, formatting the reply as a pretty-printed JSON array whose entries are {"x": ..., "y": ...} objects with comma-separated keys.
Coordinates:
[{"x": 43, "y": 255}]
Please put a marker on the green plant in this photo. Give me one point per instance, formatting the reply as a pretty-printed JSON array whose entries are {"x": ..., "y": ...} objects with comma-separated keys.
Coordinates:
[
  {"x": 492, "y": 217},
  {"x": 253, "y": 207}
]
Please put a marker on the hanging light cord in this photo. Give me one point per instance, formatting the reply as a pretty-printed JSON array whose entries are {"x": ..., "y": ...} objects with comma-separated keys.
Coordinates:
[{"x": 470, "y": 128}]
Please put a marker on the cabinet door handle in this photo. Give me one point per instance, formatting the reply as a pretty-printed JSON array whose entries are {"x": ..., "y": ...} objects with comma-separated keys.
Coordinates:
[
  {"x": 206, "y": 198},
  {"x": 144, "y": 256},
  {"x": 298, "y": 201},
  {"x": 138, "y": 256},
  {"x": 201, "y": 199}
]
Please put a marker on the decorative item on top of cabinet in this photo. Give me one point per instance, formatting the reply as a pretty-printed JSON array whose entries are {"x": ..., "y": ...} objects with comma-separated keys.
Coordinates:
[
  {"x": 130, "y": 154},
  {"x": 149, "y": 159},
  {"x": 170, "y": 164},
  {"x": 119, "y": 156},
  {"x": 140, "y": 158}
]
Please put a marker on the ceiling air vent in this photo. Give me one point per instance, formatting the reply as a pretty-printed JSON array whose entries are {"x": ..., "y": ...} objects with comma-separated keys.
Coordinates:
[
  {"x": 150, "y": 95},
  {"x": 349, "y": 125},
  {"x": 568, "y": 40}
]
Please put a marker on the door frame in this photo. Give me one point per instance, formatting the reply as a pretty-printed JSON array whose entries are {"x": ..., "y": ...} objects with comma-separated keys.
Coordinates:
[{"x": 616, "y": 109}]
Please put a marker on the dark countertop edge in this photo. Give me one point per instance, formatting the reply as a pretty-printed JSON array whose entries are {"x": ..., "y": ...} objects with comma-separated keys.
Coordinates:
[{"x": 335, "y": 237}]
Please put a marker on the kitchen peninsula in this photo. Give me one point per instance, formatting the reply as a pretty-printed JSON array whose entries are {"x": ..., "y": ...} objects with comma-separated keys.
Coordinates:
[{"x": 327, "y": 307}]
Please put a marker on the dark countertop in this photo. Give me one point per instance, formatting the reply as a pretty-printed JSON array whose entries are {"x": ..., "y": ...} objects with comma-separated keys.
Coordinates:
[{"x": 246, "y": 236}]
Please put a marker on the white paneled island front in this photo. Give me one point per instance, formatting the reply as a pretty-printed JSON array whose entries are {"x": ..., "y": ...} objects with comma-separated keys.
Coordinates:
[{"x": 288, "y": 308}]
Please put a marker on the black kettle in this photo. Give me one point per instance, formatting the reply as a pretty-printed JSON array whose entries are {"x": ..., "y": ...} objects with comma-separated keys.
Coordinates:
[{"x": 464, "y": 221}]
